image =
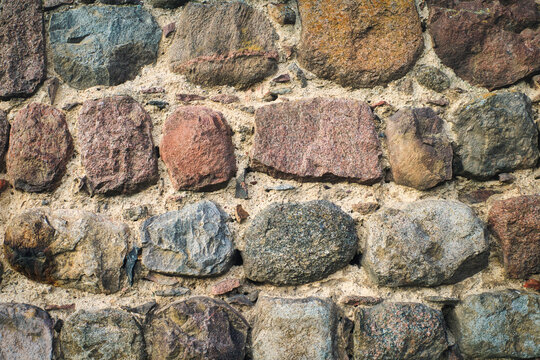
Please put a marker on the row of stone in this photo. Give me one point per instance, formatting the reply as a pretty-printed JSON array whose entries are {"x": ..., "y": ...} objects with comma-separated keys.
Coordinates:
[
  {"x": 356, "y": 44},
  {"x": 423, "y": 243},
  {"x": 490, "y": 325}
]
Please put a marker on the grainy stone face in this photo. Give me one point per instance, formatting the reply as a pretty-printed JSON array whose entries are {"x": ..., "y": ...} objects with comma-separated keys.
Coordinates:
[
  {"x": 500, "y": 324},
  {"x": 488, "y": 43},
  {"x": 197, "y": 328},
  {"x": 197, "y": 148},
  {"x": 494, "y": 135},
  {"x": 297, "y": 243},
  {"x": 399, "y": 331},
  {"x": 432, "y": 78},
  {"x": 227, "y": 43},
  {"x": 318, "y": 139},
  {"x": 359, "y": 43},
  {"x": 424, "y": 243},
  {"x": 516, "y": 223},
  {"x": 300, "y": 329},
  {"x": 40, "y": 148},
  {"x": 117, "y": 150},
  {"x": 194, "y": 241},
  {"x": 102, "y": 334},
  {"x": 419, "y": 151},
  {"x": 4, "y": 137},
  {"x": 66, "y": 248},
  {"x": 22, "y": 47},
  {"x": 88, "y": 51}
]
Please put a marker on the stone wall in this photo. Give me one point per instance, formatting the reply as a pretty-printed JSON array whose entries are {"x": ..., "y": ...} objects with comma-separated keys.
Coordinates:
[{"x": 337, "y": 179}]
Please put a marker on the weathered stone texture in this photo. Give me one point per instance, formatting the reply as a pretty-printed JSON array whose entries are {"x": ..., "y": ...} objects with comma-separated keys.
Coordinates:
[
  {"x": 4, "y": 137},
  {"x": 117, "y": 150},
  {"x": 318, "y": 139},
  {"x": 432, "y": 78},
  {"x": 40, "y": 148}
]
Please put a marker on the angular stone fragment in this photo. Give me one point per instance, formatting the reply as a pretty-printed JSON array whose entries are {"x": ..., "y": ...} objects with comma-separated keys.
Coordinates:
[
  {"x": 227, "y": 43},
  {"x": 87, "y": 50},
  {"x": 399, "y": 331},
  {"x": 117, "y": 151},
  {"x": 359, "y": 43},
  {"x": 167, "y": 4},
  {"x": 68, "y": 248},
  {"x": 194, "y": 241},
  {"x": 102, "y": 334},
  {"x": 22, "y": 47},
  {"x": 26, "y": 332},
  {"x": 198, "y": 328},
  {"x": 432, "y": 78},
  {"x": 197, "y": 148},
  {"x": 495, "y": 134},
  {"x": 424, "y": 243},
  {"x": 297, "y": 243},
  {"x": 4, "y": 137},
  {"x": 499, "y": 324},
  {"x": 516, "y": 223},
  {"x": 419, "y": 151},
  {"x": 318, "y": 139},
  {"x": 40, "y": 148},
  {"x": 300, "y": 329},
  {"x": 489, "y": 43}
]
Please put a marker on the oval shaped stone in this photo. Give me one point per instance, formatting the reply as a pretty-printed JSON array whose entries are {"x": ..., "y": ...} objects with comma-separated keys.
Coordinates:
[
  {"x": 117, "y": 149},
  {"x": 298, "y": 243},
  {"x": 194, "y": 241},
  {"x": 424, "y": 243},
  {"x": 40, "y": 148}
]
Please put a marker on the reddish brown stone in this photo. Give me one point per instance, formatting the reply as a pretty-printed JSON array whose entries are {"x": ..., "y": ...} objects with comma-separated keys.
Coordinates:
[
  {"x": 40, "y": 148},
  {"x": 187, "y": 98},
  {"x": 4, "y": 137},
  {"x": 318, "y": 139},
  {"x": 197, "y": 148},
  {"x": 516, "y": 223},
  {"x": 359, "y": 43},
  {"x": 225, "y": 286},
  {"x": 22, "y": 47},
  {"x": 225, "y": 99},
  {"x": 490, "y": 43},
  {"x": 420, "y": 153},
  {"x": 117, "y": 150}
]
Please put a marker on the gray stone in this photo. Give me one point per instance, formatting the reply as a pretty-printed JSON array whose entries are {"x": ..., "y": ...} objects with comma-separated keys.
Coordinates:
[
  {"x": 194, "y": 241},
  {"x": 495, "y": 134},
  {"x": 102, "y": 45},
  {"x": 26, "y": 333},
  {"x": 432, "y": 78},
  {"x": 500, "y": 324},
  {"x": 102, "y": 334},
  {"x": 297, "y": 243},
  {"x": 424, "y": 243},
  {"x": 299, "y": 329}
]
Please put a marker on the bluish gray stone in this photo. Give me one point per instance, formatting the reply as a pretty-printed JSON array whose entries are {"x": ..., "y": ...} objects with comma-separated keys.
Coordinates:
[
  {"x": 499, "y": 324},
  {"x": 194, "y": 241},
  {"x": 102, "y": 45}
]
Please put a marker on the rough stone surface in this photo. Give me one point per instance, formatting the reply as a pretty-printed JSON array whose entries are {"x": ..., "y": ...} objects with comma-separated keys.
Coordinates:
[
  {"x": 197, "y": 148},
  {"x": 516, "y": 223},
  {"x": 22, "y": 47},
  {"x": 432, "y": 78},
  {"x": 495, "y": 134},
  {"x": 297, "y": 243},
  {"x": 300, "y": 329},
  {"x": 359, "y": 43},
  {"x": 67, "y": 248},
  {"x": 117, "y": 150},
  {"x": 283, "y": 14},
  {"x": 318, "y": 138},
  {"x": 500, "y": 324},
  {"x": 424, "y": 243},
  {"x": 399, "y": 331},
  {"x": 102, "y": 334},
  {"x": 227, "y": 43},
  {"x": 88, "y": 51},
  {"x": 194, "y": 241},
  {"x": 419, "y": 151},
  {"x": 198, "y": 328},
  {"x": 167, "y": 4},
  {"x": 40, "y": 148},
  {"x": 4, "y": 137},
  {"x": 489, "y": 43}
]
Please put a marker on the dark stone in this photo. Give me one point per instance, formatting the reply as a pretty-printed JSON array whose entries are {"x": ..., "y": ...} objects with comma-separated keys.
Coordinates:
[
  {"x": 298, "y": 243},
  {"x": 40, "y": 147},
  {"x": 4, "y": 138},
  {"x": 135, "y": 213},
  {"x": 432, "y": 78},
  {"x": 88, "y": 51},
  {"x": 166, "y": 4}
]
